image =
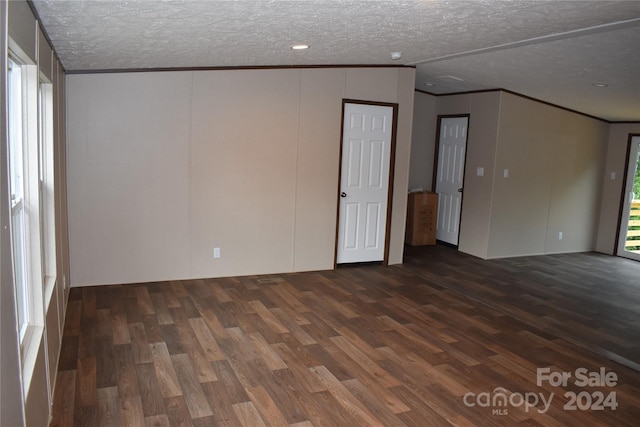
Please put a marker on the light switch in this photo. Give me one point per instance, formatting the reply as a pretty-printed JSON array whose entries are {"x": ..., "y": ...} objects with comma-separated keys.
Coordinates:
[
  {"x": 480, "y": 171},
  {"x": 613, "y": 176},
  {"x": 506, "y": 173}
]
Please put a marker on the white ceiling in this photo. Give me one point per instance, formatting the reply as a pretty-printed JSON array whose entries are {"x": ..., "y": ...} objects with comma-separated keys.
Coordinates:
[{"x": 550, "y": 50}]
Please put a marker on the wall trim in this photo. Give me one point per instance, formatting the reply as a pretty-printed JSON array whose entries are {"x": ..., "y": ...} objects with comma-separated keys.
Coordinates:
[
  {"x": 471, "y": 92},
  {"x": 240, "y": 67}
]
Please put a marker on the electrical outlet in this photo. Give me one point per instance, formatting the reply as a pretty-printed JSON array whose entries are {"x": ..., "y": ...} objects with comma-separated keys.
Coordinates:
[
  {"x": 216, "y": 252},
  {"x": 506, "y": 173},
  {"x": 560, "y": 235},
  {"x": 613, "y": 176},
  {"x": 480, "y": 171}
]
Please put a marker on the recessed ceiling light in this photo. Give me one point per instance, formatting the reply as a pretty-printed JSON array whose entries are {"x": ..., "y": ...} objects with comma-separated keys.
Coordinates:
[
  {"x": 600, "y": 85},
  {"x": 300, "y": 46},
  {"x": 396, "y": 55}
]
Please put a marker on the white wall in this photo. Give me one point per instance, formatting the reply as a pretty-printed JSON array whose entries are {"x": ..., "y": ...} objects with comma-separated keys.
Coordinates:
[{"x": 165, "y": 166}]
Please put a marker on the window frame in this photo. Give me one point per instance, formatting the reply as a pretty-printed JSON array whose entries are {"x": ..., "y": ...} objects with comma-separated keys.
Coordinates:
[
  {"x": 46, "y": 186},
  {"x": 26, "y": 236}
]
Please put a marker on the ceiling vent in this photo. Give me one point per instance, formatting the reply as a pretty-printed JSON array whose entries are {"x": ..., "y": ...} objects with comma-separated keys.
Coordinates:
[{"x": 450, "y": 79}]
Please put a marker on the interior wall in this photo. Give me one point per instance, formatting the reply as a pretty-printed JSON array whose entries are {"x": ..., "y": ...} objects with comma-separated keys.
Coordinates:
[
  {"x": 477, "y": 203},
  {"x": 45, "y": 56},
  {"x": 454, "y": 104},
  {"x": 164, "y": 167},
  {"x": 243, "y": 171},
  {"x": 317, "y": 168},
  {"x": 618, "y": 140},
  {"x": 20, "y": 32},
  {"x": 484, "y": 120},
  {"x": 554, "y": 162},
  {"x": 405, "y": 97},
  {"x": 576, "y": 193},
  {"x": 423, "y": 141},
  {"x": 555, "y": 166},
  {"x": 128, "y": 179},
  {"x": 23, "y": 29}
]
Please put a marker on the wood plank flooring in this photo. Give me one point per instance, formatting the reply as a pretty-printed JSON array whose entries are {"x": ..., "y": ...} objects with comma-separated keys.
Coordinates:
[
  {"x": 590, "y": 299},
  {"x": 360, "y": 346}
]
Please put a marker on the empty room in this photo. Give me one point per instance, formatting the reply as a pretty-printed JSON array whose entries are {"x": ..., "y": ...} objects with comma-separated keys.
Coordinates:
[{"x": 320, "y": 213}]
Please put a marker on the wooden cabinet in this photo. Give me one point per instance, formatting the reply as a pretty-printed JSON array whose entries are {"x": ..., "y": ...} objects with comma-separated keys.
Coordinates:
[{"x": 422, "y": 214}]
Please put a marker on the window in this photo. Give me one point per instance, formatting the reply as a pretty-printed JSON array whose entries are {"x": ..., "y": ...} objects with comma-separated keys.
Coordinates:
[
  {"x": 31, "y": 173},
  {"x": 17, "y": 190}
]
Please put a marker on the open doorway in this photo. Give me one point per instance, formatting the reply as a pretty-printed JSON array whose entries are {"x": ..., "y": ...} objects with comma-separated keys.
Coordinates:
[{"x": 629, "y": 228}]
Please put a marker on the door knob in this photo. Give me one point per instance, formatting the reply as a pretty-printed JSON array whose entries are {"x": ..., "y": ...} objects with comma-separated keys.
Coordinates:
[
  {"x": 343, "y": 194},
  {"x": 459, "y": 190}
]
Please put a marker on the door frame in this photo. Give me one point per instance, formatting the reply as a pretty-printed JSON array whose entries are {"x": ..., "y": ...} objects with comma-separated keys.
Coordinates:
[
  {"x": 623, "y": 193},
  {"x": 464, "y": 166},
  {"x": 392, "y": 163}
]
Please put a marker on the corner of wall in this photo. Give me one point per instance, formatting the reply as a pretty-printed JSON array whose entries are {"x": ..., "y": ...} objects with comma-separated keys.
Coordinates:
[
  {"x": 405, "y": 98},
  {"x": 475, "y": 226}
]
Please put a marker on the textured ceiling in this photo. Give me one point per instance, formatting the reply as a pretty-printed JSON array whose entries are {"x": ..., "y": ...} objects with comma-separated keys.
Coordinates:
[{"x": 551, "y": 50}]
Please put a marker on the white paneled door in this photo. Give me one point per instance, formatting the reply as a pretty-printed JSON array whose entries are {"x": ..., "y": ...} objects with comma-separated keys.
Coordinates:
[
  {"x": 364, "y": 182},
  {"x": 452, "y": 147},
  {"x": 629, "y": 240}
]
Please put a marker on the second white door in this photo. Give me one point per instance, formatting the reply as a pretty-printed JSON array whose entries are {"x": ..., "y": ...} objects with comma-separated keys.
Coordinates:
[
  {"x": 364, "y": 182},
  {"x": 452, "y": 146}
]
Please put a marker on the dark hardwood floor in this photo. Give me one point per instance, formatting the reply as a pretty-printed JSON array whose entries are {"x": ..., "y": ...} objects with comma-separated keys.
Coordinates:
[
  {"x": 362, "y": 345},
  {"x": 590, "y": 299}
]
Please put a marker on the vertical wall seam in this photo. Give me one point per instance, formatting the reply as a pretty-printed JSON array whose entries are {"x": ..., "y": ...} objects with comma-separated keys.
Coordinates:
[
  {"x": 189, "y": 148},
  {"x": 494, "y": 178},
  {"x": 297, "y": 170},
  {"x": 550, "y": 200}
]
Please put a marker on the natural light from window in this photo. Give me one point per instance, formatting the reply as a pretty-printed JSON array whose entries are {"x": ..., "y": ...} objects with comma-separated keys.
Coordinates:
[{"x": 31, "y": 176}]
